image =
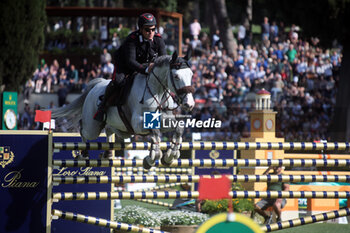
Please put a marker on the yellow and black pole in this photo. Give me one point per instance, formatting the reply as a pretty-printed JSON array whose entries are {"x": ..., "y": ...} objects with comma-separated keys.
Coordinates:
[
  {"x": 102, "y": 222},
  {"x": 306, "y": 220}
]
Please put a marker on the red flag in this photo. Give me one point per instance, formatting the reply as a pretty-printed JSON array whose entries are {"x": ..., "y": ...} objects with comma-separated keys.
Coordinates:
[
  {"x": 214, "y": 188},
  {"x": 42, "y": 116}
]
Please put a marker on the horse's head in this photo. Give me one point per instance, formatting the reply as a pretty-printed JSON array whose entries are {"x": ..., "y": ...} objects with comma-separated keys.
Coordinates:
[{"x": 180, "y": 80}]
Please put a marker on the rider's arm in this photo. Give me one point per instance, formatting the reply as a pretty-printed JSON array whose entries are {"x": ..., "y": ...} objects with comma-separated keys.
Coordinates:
[
  {"x": 267, "y": 170},
  {"x": 131, "y": 58}
]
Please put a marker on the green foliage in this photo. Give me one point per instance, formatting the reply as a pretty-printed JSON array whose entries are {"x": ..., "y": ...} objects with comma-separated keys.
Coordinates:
[
  {"x": 239, "y": 204},
  {"x": 22, "y": 35},
  {"x": 205, "y": 30},
  {"x": 214, "y": 207},
  {"x": 123, "y": 33},
  {"x": 168, "y": 5}
]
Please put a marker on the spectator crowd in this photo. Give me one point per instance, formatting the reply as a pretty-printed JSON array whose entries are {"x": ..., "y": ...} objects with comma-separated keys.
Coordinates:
[{"x": 301, "y": 76}]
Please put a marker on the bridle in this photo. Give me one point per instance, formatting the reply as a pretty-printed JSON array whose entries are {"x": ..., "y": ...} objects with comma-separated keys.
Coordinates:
[
  {"x": 185, "y": 89},
  {"x": 178, "y": 91}
]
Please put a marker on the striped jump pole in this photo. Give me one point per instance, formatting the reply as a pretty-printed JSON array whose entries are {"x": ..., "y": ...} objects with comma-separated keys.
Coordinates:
[
  {"x": 195, "y": 178},
  {"x": 207, "y": 163},
  {"x": 102, "y": 222},
  {"x": 306, "y": 220},
  {"x": 153, "y": 202},
  {"x": 316, "y": 156},
  {"x": 188, "y": 194},
  {"x": 205, "y": 146},
  {"x": 155, "y": 169},
  {"x": 309, "y": 173},
  {"x": 160, "y": 187}
]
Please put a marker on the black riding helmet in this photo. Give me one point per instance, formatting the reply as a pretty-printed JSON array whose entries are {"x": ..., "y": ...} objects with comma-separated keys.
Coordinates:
[{"x": 147, "y": 19}]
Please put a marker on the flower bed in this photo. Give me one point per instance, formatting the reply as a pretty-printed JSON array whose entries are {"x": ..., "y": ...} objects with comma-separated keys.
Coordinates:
[{"x": 140, "y": 216}]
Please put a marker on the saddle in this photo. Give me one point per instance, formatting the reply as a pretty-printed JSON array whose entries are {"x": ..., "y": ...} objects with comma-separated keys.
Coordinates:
[
  {"x": 119, "y": 98},
  {"x": 122, "y": 92}
]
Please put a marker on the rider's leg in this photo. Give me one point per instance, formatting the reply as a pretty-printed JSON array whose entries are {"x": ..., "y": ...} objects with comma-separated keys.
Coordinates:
[
  {"x": 260, "y": 208},
  {"x": 112, "y": 88},
  {"x": 277, "y": 206}
]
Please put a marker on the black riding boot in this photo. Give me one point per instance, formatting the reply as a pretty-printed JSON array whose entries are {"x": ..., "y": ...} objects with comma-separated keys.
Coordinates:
[
  {"x": 113, "y": 87},
  {"x": 100, "y": 115}
]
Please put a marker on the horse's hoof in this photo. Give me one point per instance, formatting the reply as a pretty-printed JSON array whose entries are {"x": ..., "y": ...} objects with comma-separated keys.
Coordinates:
[
  {"x": 84, "y": 154},
  {"x": 147, "y": 163},
  {"x": 106, "y": 155},
  {"x": 165, "y": 163}
]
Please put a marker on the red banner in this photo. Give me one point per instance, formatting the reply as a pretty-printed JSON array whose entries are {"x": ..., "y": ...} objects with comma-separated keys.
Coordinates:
[
  {"x": 42, "y": 116},
  {"x": 214, "y": 188}
]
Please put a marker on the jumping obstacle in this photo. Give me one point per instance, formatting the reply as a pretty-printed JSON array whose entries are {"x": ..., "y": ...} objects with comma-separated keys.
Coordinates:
[
  {"x": 155, "y": 169},
  {"x": 102, "y": 222},
  {"x": 159, "y": 203},
  {"x": 306, "y": 220},
  {"x": 188, "y": 194},
  {"x": 339, "y": 146},
  {"x": 153, "y": 202},
  {"x": 195, "y": 178},
  {"x": 159, "y": 186},
  {"x": 22, "y": 146},
  {"x": 207, "y": 163},
  {"x": 310, "y": 173},
  {"x": 316, "y": 156}
]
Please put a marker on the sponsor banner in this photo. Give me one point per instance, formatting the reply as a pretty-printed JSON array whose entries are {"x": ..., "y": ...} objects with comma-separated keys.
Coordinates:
[
  {"x": 95, "y": 208},
  {"x": 23, "y": 182},
  {"x": 9, "y": 111}
]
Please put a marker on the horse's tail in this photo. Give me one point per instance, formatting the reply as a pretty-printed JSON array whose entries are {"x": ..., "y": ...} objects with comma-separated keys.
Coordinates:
[{"x": 75, "y": 108}]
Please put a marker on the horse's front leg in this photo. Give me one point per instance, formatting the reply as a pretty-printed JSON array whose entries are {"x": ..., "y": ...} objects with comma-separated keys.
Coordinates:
[
  {"x": 155, "y": 151},
  {"x": 82, "y": 154},
  {"x": 174, "y": 151},
  {"x": 108, "y": 154}
]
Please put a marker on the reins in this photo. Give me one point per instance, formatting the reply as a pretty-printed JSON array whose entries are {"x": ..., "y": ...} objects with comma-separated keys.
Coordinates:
[{"x": 178, "y": 92}]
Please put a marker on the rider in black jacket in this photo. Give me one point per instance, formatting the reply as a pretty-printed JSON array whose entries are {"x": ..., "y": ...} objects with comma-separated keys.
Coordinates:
[{"x": 137, "y": 52}]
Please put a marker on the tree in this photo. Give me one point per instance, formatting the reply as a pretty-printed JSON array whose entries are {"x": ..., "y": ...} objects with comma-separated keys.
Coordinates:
[
  {"x": 225, "y": 27},
  {"x": 22, "y": 34},
  {"x": 168, "y": 5},
  {"x": 248, "y": 16},
  {"x": 341, "y": 121}
]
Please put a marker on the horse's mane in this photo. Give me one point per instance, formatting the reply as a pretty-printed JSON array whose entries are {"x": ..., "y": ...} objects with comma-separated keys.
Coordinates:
[
  {"x": 162, "y": 60},
  {"x": 165, "y": 60}
]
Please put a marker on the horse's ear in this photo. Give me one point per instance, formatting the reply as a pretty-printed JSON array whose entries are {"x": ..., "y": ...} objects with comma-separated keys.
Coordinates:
[
  {"x": 174, "y": 57},
  {"x": 188, "y": 54}
]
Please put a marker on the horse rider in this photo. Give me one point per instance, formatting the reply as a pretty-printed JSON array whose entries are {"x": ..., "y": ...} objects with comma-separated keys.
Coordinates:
[{"x": 136, "y": 53}]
